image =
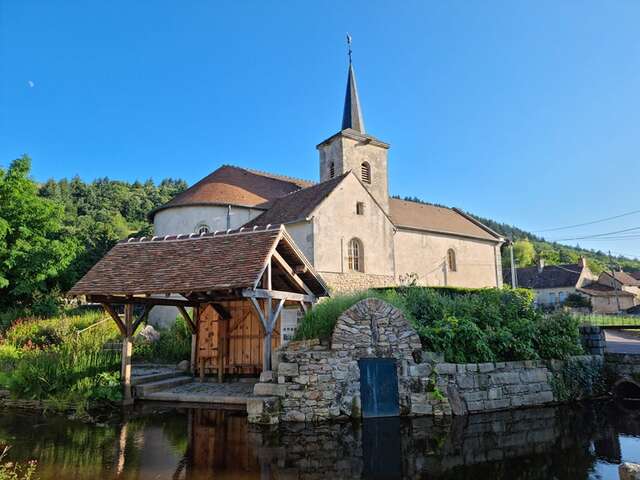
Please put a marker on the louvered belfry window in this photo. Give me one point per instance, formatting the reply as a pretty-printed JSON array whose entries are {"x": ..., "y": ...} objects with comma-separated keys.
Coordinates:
[
  {"x": 366, "y": 172},
  {"x": 332, "y": 170},
  {"x": 356, "y": 255}
]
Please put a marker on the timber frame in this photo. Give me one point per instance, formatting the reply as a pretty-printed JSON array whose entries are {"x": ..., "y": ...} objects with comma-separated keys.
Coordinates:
[{"x": 285, "y": 277}]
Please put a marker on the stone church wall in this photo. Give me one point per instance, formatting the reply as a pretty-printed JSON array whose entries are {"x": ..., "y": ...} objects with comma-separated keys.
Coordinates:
[{"x": 425, "y": 254}]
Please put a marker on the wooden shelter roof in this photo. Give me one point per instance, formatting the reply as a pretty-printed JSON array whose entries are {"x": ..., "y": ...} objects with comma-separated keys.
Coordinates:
[{"x": 191, "y": 264}]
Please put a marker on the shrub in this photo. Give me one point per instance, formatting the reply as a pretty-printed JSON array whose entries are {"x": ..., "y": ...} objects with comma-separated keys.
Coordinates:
[
  {"x": 15, "y": 471},
  {"x": 466, "y": 325},
  {"x": 558, "y": 336}
]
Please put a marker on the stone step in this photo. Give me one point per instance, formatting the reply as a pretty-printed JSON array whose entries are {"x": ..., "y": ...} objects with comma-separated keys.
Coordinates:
[
  {"x": 158, "y": 385},
  {"x": 154, "y": 377}
]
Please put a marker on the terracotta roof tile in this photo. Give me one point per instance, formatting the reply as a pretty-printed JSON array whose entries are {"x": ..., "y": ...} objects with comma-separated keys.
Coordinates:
[
  {"x": 625, "y": 278},
  {"x": 236, "y": 186},
  {"x": 297, "y": 205},
  {"x": 435, "y": 219},
  {"x": 178, "y": 264},
  {"x": 600, "y": 290}
]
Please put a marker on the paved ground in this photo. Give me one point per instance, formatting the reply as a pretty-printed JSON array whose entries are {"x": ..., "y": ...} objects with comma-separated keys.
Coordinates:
[
  {"x": 145, "y": 370},
  {"x": 623, "y": 341},
  {"x": 235, "y": 393}
]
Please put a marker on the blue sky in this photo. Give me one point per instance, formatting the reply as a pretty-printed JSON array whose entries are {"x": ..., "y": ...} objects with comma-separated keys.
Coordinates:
[{"x": 524, "y": 112}]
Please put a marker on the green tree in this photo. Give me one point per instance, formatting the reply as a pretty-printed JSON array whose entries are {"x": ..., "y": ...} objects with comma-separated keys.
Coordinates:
[
  {"x": 524, "y": 253},
  {"x": 34, "y": 249}
]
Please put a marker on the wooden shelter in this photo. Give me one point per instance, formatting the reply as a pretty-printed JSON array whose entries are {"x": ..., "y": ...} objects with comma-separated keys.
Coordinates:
[{"x": 236, "y": 284}]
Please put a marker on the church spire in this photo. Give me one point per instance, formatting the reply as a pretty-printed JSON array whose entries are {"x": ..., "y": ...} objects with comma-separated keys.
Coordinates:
[{"x": 352, "y": 116}]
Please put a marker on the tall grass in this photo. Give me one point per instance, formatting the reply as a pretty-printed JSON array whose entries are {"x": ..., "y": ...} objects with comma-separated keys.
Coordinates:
[
  {"x": 173, "y": 346},
  {"x": 50, "y": 360}
]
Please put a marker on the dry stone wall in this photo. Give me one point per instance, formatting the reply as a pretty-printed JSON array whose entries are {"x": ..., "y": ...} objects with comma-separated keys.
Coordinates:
[{"x": 317, "y": 382}]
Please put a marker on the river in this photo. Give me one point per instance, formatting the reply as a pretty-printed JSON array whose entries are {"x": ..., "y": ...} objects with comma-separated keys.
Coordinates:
[{"x": 155, "y": 442}]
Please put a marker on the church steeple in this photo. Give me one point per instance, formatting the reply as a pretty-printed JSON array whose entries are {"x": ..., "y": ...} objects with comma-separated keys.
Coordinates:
[
  {"x": 352, "y": 115},
  {"x": 352, "y": 149}
]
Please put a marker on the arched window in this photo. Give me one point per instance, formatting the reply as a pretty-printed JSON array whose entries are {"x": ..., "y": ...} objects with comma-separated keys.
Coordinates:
[
  {"x": 365, "y": 169},
  {"x": 356, "y": 255},
  {"x": 332, "y": 170},
  {"x": 451, "y": 260},
  {"x": 202, "y": 228}
]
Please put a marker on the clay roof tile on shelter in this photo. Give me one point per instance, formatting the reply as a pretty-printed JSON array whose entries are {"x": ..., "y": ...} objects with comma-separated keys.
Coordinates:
[
  {"x": 235, "y": 186},
  {"x": 437, "y": 219},
  {"x": 191, "y": 263},
  {"x": 599, "y": 290},
  {"x": 625, "y": 278}
]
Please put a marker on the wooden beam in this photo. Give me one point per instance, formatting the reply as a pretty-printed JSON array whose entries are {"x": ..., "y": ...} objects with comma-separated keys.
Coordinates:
[
  {"x": 187, "y": 318},
  {"x": 278, "y": 295},
  {"x": 304, "y": 306},
  {"x": 275, "y": 313},
  {"x": 257, "y": 308},
  {"x": 111, "y": 299},
  {"x": 222, "y": 311},
  {"x": 143, "y": 316},
  {"x": 294, "y": 276},
  {"x": 116, "y": 318}
]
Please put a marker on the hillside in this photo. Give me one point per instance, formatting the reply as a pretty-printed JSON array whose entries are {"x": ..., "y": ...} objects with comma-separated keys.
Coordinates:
[{"x": 553, "y": 253}]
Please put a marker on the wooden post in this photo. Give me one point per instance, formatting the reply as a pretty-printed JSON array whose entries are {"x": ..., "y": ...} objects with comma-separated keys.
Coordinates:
[
  {"x": 266, "y": 341},
  {"x": 194, "y": 338},
  {"x": 127, "y": 350}
]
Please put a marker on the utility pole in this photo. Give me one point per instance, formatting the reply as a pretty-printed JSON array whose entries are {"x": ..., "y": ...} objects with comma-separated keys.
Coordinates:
[
  {"x": 514, "y": 272},
  {"x": 613, "y": 278}
]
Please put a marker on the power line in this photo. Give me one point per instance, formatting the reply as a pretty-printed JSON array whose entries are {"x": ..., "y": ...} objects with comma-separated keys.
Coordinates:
[
  {"x": 596, "y": 235},
  {"x": 587, "y": 223}
]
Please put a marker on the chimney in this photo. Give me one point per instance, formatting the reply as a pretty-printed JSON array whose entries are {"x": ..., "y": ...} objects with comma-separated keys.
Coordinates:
[{"x": 540, "y": 265}]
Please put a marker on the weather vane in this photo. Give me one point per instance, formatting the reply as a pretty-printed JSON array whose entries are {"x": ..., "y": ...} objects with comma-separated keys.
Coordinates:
[{"x": 349, "y": 46}]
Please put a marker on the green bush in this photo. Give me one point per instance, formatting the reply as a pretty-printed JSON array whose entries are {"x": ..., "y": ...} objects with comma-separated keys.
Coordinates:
[
  {"x": 173, "y": 346},
  {"x": 558, "y": 336},
  {"x": 466, "y": 325}
]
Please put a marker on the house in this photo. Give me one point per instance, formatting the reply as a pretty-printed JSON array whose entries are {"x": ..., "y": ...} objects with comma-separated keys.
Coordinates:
[
  {"x": 622, "y": 281},
  {"x": 347, "y": 225},
  {"x": 554, "y": 283}
]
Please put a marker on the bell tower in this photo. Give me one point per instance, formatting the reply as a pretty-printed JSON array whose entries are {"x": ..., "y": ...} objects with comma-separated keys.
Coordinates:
[{"x": 353, "y": 149}]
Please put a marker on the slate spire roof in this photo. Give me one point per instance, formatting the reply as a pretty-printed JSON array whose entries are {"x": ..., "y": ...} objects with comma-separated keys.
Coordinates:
[{"x": 352, "y": 115}]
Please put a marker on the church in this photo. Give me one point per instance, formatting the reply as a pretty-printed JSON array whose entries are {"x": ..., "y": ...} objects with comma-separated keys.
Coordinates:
[{"x": 353, "y": 233}]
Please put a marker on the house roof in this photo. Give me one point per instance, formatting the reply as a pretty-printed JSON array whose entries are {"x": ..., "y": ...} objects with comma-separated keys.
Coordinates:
[
  {"x": 431, "y": 218},
  {"x": 625, "y": 278},
  {"x": 192, "y": 263},
  {"x": 235, "y": 186},
  {"x": 634, "y": 310},
  {"x": 635, "y": 274},
  {"x": 599, "y": 290},
  {"x": 297, "y": 205},
  {"x": 551, "y": 276}
]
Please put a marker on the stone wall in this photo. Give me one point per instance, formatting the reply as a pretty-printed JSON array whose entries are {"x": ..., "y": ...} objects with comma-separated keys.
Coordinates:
[
  {"x": 593, "y": 340},
  {"x": 316, "y": 382},
  {"x": 340, "y": 283}
]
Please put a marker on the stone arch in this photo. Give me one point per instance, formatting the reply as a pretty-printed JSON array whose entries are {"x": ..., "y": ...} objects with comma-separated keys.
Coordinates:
[
  {"x": 375, "y": 328},
  {"x": 372, "y": 328},
  {"x": 626, "y": 388}
]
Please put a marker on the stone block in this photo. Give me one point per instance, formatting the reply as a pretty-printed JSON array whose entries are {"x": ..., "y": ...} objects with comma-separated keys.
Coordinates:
[
  {"x": 266, "y": 376},
  {"x": 445, "y": 368},
  {"x": 629, "y": 471},
  {"x": 264, "y": 410},
  {"x": 421, "y": 370},
  {"x": 497, "y": 404},
  {"x": 288, "y": 369},
  {"x": 433, "y": 356},
  {"x": 486, "y": 367},
  {"x": 269, "y": 390}
]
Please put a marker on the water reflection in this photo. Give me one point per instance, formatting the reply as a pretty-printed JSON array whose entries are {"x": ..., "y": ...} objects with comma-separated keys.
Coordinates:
[{"x": 150, "y": 442}]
